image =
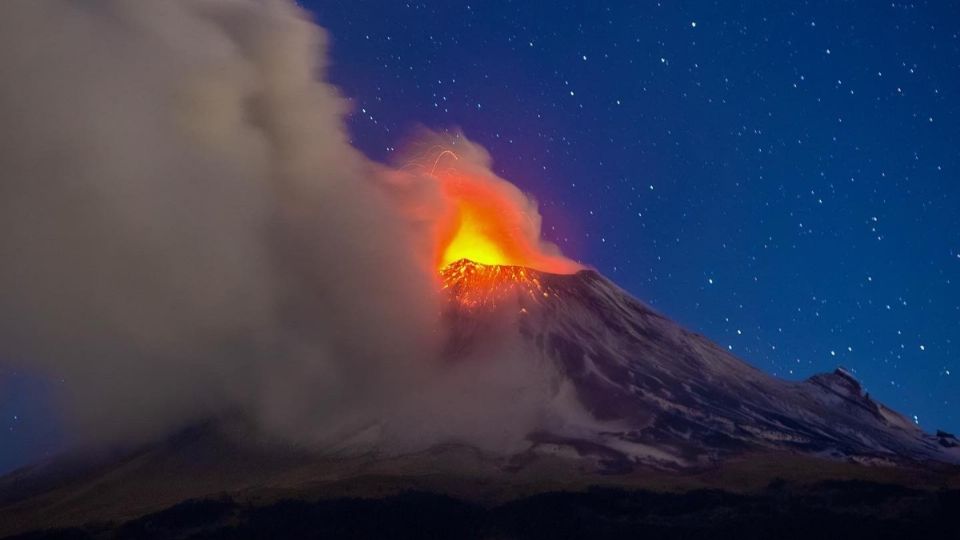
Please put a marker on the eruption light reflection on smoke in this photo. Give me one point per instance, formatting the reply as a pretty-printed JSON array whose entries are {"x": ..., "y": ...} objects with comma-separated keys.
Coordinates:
[
  {"x": 492, "y": 223},
  {"x": 194, "y": 237}
]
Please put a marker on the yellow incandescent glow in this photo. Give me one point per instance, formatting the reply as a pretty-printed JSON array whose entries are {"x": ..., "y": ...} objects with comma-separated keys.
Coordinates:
[{"x": 474, "y": 242}]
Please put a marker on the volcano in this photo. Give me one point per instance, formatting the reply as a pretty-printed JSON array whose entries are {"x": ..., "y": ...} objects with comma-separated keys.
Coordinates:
[
  {"x": 659, "y": 395},
  {"x": 631, "y": 399}
]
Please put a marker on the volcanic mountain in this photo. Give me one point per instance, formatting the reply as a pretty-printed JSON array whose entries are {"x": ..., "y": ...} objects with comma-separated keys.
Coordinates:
[
  {"x": 630, "y": 399},
  {"x": 657, "y": 394}
]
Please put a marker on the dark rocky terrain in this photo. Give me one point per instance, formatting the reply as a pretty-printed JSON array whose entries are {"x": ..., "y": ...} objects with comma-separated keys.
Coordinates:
[{"x": 838, "y": 509}]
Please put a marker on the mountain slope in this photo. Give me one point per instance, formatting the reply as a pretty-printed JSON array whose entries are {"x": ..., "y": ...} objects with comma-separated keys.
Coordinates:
[
  {"x": 663, "y": 395},
  {"x": 627, "y": 398}
]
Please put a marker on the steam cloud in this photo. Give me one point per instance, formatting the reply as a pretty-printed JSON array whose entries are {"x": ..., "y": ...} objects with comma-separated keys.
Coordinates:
[{"x": 185, "y": 232}]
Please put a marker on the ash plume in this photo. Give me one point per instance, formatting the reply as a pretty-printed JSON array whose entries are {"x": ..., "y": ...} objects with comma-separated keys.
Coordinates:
[
  {"x": 186, "y": 232},
  {"x": 471, "y": 196}
]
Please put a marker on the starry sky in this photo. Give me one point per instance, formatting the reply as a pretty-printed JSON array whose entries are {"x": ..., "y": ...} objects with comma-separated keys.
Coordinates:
[{"x": 784, "y": 180}]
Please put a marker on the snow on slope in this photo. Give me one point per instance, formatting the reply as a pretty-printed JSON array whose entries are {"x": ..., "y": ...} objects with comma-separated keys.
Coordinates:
[{"x": 634, "y": 387}]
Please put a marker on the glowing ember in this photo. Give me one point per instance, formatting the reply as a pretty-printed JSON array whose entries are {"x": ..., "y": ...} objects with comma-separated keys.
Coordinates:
[{"x": 483, "y": 286}]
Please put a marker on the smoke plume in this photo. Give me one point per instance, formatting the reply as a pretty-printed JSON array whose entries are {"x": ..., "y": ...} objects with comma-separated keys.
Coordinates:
[{"x": 185, "y": 231}]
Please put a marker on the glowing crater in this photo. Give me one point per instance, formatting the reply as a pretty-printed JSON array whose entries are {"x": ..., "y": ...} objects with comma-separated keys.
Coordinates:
[{"x": 473, "y": 285}]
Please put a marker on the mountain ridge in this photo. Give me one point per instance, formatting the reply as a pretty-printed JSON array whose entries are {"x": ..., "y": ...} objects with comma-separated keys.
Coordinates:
[{"x": 630, "y": 364}]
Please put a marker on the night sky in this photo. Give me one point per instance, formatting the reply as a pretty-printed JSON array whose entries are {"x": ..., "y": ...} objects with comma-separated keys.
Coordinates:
[{"x": 784, "y": 181}]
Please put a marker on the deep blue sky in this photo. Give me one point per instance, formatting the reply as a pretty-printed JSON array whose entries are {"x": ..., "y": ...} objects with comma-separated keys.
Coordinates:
[{"x": 783, "y": 180}]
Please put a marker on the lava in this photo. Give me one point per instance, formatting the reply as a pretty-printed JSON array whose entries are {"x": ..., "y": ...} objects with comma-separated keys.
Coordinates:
[{"x": 473, "y": 285}]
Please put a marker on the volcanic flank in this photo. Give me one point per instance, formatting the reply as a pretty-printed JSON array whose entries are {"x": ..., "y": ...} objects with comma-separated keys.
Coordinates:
[
  {"x": 656, "y": 394},
  {"x": 628, "y": 398}
]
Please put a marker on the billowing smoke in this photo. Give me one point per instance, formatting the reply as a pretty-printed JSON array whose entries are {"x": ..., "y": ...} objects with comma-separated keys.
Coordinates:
[
  {"x": 185, "y": 231},
  {"x": 480, "y": 216}
]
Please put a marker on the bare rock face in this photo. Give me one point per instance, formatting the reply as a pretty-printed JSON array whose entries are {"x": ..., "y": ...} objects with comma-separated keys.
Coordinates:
[{"x": 661, "y": 395}]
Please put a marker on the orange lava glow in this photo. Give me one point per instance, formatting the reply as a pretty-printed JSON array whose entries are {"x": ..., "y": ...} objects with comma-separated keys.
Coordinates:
[
  {"x": 476, "y": 286},
  {"x": 475, "y": 240},
  {"x": 493, "y": 223}
]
